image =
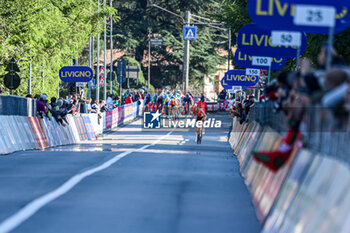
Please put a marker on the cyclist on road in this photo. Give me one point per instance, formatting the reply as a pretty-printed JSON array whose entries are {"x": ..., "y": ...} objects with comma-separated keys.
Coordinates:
[
  {"x": 187, "y": 103},
  {"x": 173, "y": 106},
  {"x": 199, "y": 115},
  {"x": 202, "y": 105}
]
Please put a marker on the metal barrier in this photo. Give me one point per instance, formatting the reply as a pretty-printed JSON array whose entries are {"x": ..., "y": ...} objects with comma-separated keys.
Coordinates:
[
  {"x": 326, "y": 131},
  {"x": 311, "y": 192},
  {"x": 17, "y": 106}
]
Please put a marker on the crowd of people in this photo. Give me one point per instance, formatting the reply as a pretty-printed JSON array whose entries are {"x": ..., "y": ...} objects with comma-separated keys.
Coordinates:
[
  {"x": 242, "y": 103},
  {"x": 74, "y": 104},
  {"x": 165, "y": 101},
  {"x": 294, "y": 92}
]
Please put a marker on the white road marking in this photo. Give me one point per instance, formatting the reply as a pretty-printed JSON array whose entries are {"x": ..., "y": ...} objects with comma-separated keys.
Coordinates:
[{"x": 30, "y": 209}]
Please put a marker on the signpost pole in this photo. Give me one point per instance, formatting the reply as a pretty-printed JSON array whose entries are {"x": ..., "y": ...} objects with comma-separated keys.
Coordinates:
[
  {"x": 12, "y": 74},
  {"x": 121, "y": 82},
  {"x": 186, "y": 54},
  {"x": 98, "y": 58},
  {"x": 30, "y": 79},
  {"x": 229, "y": 49},
  {"x": 89, "y": 83},
  {"x": 149, "y": 59},
  {"x": 111, "y": 41},
  {"x": 128, "y": 83},
  {"x": 105, "y": 56},
  {"x": 298, "y": 58},
  {"x": 330, "y": 46}
]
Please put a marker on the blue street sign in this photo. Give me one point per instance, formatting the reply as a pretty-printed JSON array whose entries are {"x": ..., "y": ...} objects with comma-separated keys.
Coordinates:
[
  {"x": 257, "y": 42},
  {"x": 73, "y": 74},
  {"x": 190, "y": 33},
  {"x": 279, "y": 14},
  {"x": 92, "y": 83},
  {"x": 238, "y": 78},
  {"x": 245, "y": 61}
]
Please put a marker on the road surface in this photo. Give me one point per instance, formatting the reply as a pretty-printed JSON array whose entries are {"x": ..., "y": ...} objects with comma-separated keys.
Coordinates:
[{"x": 128, "y": 182}]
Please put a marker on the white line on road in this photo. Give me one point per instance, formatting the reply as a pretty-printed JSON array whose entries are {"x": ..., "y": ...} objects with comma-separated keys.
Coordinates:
[{"x": 30, "y": 209}]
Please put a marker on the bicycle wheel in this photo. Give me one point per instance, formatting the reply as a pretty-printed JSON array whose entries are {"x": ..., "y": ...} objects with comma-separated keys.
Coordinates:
[{"x": 199, "y": 136}]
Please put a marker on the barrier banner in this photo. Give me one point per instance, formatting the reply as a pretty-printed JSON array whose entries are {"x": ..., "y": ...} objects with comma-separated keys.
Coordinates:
[
  {"x": 8, "y": 146},
  {"x": 112, "y": 118},
  {"x": 4, "y": 148},
  {"x": 25, "y": 131},
  {"x": 288, "y": 192},
  {"x": 81, "y": 128},
  {"x": 74, "y": 129},
  {"x": 120, "y": 115},
  {"x": 38, "y": 132},
  {"x": 135, "y": 108},
  {"x": 51, "y": 134},
  {"x": 89, "y": 129},
  {"x": 127, "y": 112},
  {"x": 17, "y": 134}
]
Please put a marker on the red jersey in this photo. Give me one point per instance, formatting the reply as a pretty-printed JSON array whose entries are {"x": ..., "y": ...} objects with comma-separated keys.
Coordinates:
[{"x": 203, "y": 106}]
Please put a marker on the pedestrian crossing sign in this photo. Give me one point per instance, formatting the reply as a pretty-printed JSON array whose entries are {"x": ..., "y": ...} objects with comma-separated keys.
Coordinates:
[{"x": 190, "y": 33}]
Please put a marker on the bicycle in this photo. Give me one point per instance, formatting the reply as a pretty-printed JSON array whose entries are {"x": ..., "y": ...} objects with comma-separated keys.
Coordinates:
[{"x": 199, "y": 134}]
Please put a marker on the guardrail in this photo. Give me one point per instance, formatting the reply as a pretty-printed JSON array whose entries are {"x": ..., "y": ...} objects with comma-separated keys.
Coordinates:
[{"x": 310, "y": 193}]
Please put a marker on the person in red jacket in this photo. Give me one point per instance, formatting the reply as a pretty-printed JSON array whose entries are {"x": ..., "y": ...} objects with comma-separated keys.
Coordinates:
[{"x": 128, "y": 100}]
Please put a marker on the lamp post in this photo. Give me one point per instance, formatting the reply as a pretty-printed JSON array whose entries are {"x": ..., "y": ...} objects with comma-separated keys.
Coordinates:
[
  {"x": 98, "y": 59},
  {"x": 111, "y": 43}
]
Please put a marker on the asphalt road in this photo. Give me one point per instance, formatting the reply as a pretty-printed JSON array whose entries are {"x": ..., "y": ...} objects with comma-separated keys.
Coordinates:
[{"x": 129, "y": 182}]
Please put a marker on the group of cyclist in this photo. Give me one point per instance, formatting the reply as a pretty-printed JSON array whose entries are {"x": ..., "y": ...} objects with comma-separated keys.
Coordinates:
[
  {"x": 175, "y": 104},
  {"x": 169, "y": 103}
]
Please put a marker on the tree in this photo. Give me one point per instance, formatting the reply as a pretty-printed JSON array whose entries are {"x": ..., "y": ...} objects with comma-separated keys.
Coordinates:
[
  {"x": 47, "y": 34},
  {"x": 132, "y": 36}
]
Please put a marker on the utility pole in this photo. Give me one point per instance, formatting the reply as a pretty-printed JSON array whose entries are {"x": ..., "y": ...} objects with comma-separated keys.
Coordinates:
[
  {"x": 149, "y": 59},
  {"x": 111, "y": 41},
  {"x": 89, "y": 83},
  {"x": 105, "y": 56},
  {"x": 30, "y": 78},
  {"x": 229, "y": 49},
  {"x": 186, "y": 64},
  {"x": 98, "y": 58}
]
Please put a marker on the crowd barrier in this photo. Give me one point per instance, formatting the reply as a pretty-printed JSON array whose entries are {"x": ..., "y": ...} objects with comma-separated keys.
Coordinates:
[
  {"x": 213, "y": 107},
  {"x": 20, "y": 133},
  {"x": 17, "y": 106},
  {"x": 310, "y": 193}
]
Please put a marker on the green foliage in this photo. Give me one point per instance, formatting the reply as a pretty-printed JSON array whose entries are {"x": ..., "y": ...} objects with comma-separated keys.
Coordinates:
[
  {"x": 47, "y": 34},
  {"x": 132, "y": 36}
]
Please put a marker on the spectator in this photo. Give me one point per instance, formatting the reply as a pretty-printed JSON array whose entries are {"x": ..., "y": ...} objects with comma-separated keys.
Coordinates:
[
  {"x": 116, "y": 101},
  {"x": 54, "y": 109},
  {"x": 103, "y": 106},
  {"x": 128, "y": 99},
  {"x": 110, "y": 102},
  {"x": 40, "y": 106},
  {"x": 88, "y": 106},
  {"x": 95, "y": 107}
]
